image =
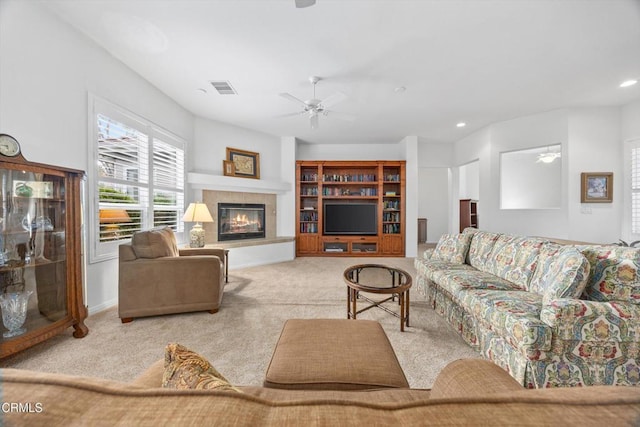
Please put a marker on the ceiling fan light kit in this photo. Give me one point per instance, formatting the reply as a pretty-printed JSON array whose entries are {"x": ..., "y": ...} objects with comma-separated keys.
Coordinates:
[{"x": 304, "y": 3}]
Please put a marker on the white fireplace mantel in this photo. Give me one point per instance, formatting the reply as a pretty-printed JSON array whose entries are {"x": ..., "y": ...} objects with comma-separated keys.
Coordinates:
[{"x": 205, "y": 181}]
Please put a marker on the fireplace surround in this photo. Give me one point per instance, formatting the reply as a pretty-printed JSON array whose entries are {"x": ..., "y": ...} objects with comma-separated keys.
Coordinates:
[{"x": 239, "y": 221}]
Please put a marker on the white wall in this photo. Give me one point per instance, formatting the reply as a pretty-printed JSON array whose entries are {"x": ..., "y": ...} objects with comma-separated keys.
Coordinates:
[
  {"x": 595, "y": 146},
  {"x": 471, "y": 155},
  {"x": 590, "y": 138},
  {"x": 46, "y": 72},
  {"x": 211, "y": 139},
  {"x": 410, "y": 145},
  {"x": 434, "y": 190},
  {"x": 525, "y": 132},
  {"x": 391, "y": 151},
  {"x": 287, "y": 202},
  {"x": 469, "y": 177},
  {"x": 630, "y": 121}
]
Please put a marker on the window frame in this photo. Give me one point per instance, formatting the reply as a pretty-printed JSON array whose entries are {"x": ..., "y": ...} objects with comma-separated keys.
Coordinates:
[
  {"x": 627, "y": 226},
  {"x": 103, "y": 251}
]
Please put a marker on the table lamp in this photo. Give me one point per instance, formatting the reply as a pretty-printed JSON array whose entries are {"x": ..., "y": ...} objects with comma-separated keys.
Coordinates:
[
  {"x": 197, "y": 212},
  {"x": 111, "y": 219}
]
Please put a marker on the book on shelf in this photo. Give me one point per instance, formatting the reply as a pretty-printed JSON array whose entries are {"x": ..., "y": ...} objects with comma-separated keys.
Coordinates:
[
  {"x": 308, "y": 208},
  {"x": 390, "y": 193}
]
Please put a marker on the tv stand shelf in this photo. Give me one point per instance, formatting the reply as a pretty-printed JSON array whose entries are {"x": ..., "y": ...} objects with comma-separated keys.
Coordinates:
[{"x": 372, "y": 190}]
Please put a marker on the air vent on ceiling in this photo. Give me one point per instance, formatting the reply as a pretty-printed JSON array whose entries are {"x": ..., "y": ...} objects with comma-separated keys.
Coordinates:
[{"x": 224, "y": 88}]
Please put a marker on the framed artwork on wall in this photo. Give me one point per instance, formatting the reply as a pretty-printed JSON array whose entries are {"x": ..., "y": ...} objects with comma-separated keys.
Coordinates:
[
  {"x": 596, "y": 187},
  {"x": 246, "y": 163}
]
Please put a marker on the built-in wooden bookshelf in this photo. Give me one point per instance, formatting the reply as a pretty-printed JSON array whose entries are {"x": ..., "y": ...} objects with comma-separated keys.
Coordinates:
[{"x": 377, "y": 183}]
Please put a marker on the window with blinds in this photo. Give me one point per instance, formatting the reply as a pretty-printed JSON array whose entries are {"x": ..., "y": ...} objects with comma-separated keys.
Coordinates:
[
  {"x": 139, "y": 177},
  {"x": 635, "y": 188}
]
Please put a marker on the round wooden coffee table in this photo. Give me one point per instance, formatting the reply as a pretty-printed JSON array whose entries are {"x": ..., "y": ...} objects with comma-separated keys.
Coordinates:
[{"x": 378, "y": 279}]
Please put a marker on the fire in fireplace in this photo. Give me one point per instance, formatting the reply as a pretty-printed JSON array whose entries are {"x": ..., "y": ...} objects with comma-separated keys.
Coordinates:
[{"x": 238, "y": 221}]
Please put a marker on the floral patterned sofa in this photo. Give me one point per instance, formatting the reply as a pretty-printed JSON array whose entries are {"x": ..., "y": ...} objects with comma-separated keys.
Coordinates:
[{"x": 550, "y": 314}]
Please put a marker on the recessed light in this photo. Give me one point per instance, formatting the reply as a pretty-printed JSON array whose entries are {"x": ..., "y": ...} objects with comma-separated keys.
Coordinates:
[
  {"x": 400, "y": 89},
  {"x": 461, "y": 124},
  {"x": 628, "y": 83}
]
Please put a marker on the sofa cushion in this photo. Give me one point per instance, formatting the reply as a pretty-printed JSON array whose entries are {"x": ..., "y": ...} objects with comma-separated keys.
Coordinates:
[
  {"x": 514, "y": 258},
  {"x": 514, "y": 315},
  {"x": 480, "y": 248},
  {"x": 452, "y": 248},
  {"x": 562, "y": 272},
  {"x": 155, "y": 243},
  {"x": 615, "y": 273},
  {"x": 185, "y": 369},
  {"x": 433, "y": 269},
  {"x": 455, "y": 281}
]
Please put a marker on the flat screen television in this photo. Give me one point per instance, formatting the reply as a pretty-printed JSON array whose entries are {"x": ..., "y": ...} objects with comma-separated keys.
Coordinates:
[{"x": 350, "y": 218}]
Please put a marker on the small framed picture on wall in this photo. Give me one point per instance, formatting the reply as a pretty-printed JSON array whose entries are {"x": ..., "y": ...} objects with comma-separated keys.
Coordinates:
[{"x": 596, "y": 187}]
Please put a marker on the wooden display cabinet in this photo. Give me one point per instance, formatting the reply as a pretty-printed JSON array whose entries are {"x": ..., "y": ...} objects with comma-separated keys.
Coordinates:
[
  {"x": 40, "y": 235},
  {"x": 468, "y": 213},
  {"x": 377, "y": 183}
]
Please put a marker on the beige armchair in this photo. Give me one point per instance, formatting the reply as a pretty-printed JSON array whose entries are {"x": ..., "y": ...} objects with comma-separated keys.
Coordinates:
[{"x": 155, "y": 277}]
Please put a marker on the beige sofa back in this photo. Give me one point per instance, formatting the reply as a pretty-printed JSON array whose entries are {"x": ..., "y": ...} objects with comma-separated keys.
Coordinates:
[{"x": 56, "y": 399}]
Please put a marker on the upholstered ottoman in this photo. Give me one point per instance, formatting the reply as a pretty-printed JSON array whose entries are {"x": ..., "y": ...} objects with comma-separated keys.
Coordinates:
[{"x": 334, "y": 354}]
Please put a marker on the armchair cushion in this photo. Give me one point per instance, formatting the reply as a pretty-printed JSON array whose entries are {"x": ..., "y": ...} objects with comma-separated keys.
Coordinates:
[{"x": 155, "y": 243}]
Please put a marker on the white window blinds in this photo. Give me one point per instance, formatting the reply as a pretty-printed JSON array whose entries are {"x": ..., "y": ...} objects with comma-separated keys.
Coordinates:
[
  {"x": 635, "y": 188},
  {"x": 139, "y": 177}
]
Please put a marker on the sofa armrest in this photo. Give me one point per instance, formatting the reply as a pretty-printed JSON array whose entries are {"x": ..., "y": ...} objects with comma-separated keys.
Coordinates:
[
  {"x": 202, "y": 251},
  {"x": 581, "y": 320},
  {"x": 472, "y": 378},
  {"x": 428, "y": 253}
]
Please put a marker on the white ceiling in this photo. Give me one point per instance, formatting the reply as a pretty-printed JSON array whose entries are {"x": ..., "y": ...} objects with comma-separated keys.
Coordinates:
[{"x": 477, "y": 61}]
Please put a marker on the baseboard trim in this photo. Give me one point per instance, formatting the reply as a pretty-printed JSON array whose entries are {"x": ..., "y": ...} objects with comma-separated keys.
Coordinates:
[{"x": 102, "y": 307}]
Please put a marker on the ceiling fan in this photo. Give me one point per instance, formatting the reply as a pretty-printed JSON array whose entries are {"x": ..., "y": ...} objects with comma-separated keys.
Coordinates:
[
  {"x": 304, "y": 3},
  {"x": 314, "y": 107}
]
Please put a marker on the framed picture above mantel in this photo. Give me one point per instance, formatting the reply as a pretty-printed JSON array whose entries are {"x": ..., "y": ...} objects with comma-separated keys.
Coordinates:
[{"x": 246, "y": 164}]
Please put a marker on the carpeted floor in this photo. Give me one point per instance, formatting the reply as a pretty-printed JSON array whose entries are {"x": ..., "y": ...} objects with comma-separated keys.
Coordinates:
[{"x": 240, "y": 338}]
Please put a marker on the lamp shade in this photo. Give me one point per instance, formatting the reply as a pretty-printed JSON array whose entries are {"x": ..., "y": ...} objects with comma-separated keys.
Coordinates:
[
  {"x": 197, "y": 212},
  {"x": 111, "y": 216}
]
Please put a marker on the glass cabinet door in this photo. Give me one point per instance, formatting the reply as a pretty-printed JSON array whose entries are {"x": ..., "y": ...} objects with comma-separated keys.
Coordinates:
[{"x": 33, "y": 264}]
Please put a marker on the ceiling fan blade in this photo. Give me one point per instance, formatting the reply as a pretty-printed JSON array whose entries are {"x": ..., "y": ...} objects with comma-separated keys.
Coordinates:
[
  {"x": 313, "y": 120},
  {"x": 304, "y": 3},
  {"x": 333, "y": 99},
  {"x": 298, "y": 113},
  {"x": 340, "y": 116},
  {"x": 292, "y": 98}
]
